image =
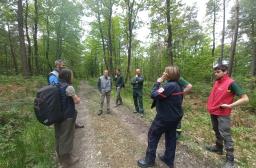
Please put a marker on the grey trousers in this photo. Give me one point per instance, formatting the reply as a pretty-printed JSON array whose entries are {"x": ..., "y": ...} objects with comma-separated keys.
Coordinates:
[
  {"x": 118, "y": 95},
  {"x": 222, "y": 128},
  {"x": 102, "y": 98},
  {"x": 64, "y": 136}
]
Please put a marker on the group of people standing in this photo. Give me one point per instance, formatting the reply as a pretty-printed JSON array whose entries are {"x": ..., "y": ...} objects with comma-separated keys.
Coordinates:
[
  {"x": 168, "y": 98},
  {"x": 105, "y": 87},
  {"x": 167, "y": 94}
]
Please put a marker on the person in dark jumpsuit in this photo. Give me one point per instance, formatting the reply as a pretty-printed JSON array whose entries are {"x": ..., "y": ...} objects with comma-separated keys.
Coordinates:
[
  {"x": 169, "y": 112},
  {"x": 137, "y": 85}
]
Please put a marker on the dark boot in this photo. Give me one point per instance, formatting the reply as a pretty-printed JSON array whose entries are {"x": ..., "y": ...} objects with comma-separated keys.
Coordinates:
[
  {"x": 230, "y": 163},
  {"x": 215, "y": 149},
  {"x": 68, "y": 160},
  {"x": 144, "y": 163},
  {"x": 163, "y": 159},
  {"x": 77, "y": 125},
  {"x": 100, "y": 112},
  {"x": 116, "y": 103},
  {"x": 121, "y": 101},
  {"x": 178, "y": 134}
]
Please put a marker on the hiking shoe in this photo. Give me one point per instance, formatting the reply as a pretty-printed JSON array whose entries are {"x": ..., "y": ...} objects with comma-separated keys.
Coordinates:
[
  {"x": 77, "y": 125},
  {"x": 144, "y": 164},
  {"x": 229, "y": 164},
  {"x": 100, "y": 112},
  {"x": 72, "y": 160},
  {"x": 162, "y": 158},
  {"x": 178, "y": 134},
  {"x": 215, "y": 149},
  {"x": 68, "y": 160}
]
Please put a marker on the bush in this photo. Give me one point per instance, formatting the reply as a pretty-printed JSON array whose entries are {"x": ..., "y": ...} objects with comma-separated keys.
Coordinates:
[{"x": 24, "y": 142}]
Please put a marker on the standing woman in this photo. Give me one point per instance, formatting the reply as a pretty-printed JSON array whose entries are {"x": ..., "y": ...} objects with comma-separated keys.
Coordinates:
[
  {"x": 64, "y": 131},
  {"x": 169, "y": 112}
]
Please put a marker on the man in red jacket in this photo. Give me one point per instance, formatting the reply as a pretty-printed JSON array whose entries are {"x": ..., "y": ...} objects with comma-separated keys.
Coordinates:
[{"x": 220, "y": 103}]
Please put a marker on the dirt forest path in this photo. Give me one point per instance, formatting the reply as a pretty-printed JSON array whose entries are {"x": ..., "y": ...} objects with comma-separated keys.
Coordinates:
[{"x": 119, "y": 139}]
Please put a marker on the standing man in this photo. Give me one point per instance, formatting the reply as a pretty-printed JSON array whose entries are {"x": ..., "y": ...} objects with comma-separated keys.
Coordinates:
[
  {"x": 137, "y": 85},
  {"x": 104, "y": 86},
  {"x": 220, "y": 103},
  {"x": 53, "y": 79},
  {"x": 119, "y": 85}
]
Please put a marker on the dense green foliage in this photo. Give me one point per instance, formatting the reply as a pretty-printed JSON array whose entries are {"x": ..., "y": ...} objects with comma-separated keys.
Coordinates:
[
  {"x": 24, "y": 142},
  {"x": 91, "y": 36}
]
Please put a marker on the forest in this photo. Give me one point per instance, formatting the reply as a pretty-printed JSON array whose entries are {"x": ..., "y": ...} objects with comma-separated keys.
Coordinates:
[{"x": 91, "y": 36}]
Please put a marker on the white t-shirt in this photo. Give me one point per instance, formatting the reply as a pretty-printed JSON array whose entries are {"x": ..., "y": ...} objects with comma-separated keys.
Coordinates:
[{"x": 70, "y": 91}]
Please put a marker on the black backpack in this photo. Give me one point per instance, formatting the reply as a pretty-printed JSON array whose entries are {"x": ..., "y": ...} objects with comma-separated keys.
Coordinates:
[{"x": 47, "y": 105}]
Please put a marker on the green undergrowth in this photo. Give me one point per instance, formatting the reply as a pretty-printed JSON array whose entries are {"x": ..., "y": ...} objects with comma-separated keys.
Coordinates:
[
  {"x": 24, "y": 142},
  {"x": 196, "y": 124}
]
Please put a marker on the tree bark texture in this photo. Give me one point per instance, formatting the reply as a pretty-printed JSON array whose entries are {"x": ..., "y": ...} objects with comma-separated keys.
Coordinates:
[
  {"x": 234, "y": 41},
  {"x": 23, "y": 55}
]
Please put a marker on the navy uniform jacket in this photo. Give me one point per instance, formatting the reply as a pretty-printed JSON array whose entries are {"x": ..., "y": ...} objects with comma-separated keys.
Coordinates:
[{"x": 168, "y": 106}]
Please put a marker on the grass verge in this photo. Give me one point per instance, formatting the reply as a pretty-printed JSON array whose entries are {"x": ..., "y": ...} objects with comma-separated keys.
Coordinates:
[
  {"x": 196, "y": 124},
  {"x": 24, "y": 142}
]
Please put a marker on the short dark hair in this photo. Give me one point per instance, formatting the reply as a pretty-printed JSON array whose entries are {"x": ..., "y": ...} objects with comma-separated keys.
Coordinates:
[
  {"x": 66, "y": 75},
  {"x": 221, "y": 67},
  {"x": 59, "y": 61}
]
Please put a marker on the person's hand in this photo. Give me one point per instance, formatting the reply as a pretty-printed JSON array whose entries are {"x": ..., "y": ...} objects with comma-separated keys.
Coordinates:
[
  {"x": 164, "y": 76},
  {"x": 160, "y": 80},
  {"x": 136, "y": 76},
  {"x": 225, "y": 106}
]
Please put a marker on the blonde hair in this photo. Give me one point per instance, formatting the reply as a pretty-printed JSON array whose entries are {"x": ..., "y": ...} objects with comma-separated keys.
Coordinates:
[{"x": 173, "y": 73}]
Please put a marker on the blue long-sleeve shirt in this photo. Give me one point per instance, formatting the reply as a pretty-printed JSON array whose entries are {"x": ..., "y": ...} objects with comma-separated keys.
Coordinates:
[{"x": 53, "y": 78}]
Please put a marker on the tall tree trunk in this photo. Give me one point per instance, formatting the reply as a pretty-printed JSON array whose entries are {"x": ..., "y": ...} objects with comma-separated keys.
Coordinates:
[
  {"x": 13, "y": 55},
  {"x": 213, "y": 28},
  {"x": 28, "y": 39},
  {"x": 129, "y": 36},
  {"x": 7, "y": 63},
  {"x": 48, "y": 43},
  {"x": 234, "y": 41},
  {"x": 59, "y": 33},
  {"x": 23, "y": 55},
  {"x": 101, "y": 34},
  {"x": 35, "y": 36},
  {"x": 223, "y": 32},
  {"x": 48, "y": 37},
  {"x": 169, "y": 28},
  {"x": 110, "y": 48},
  {"x": 59, "y": 40},
  {"x": 253, "y": 51}
]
